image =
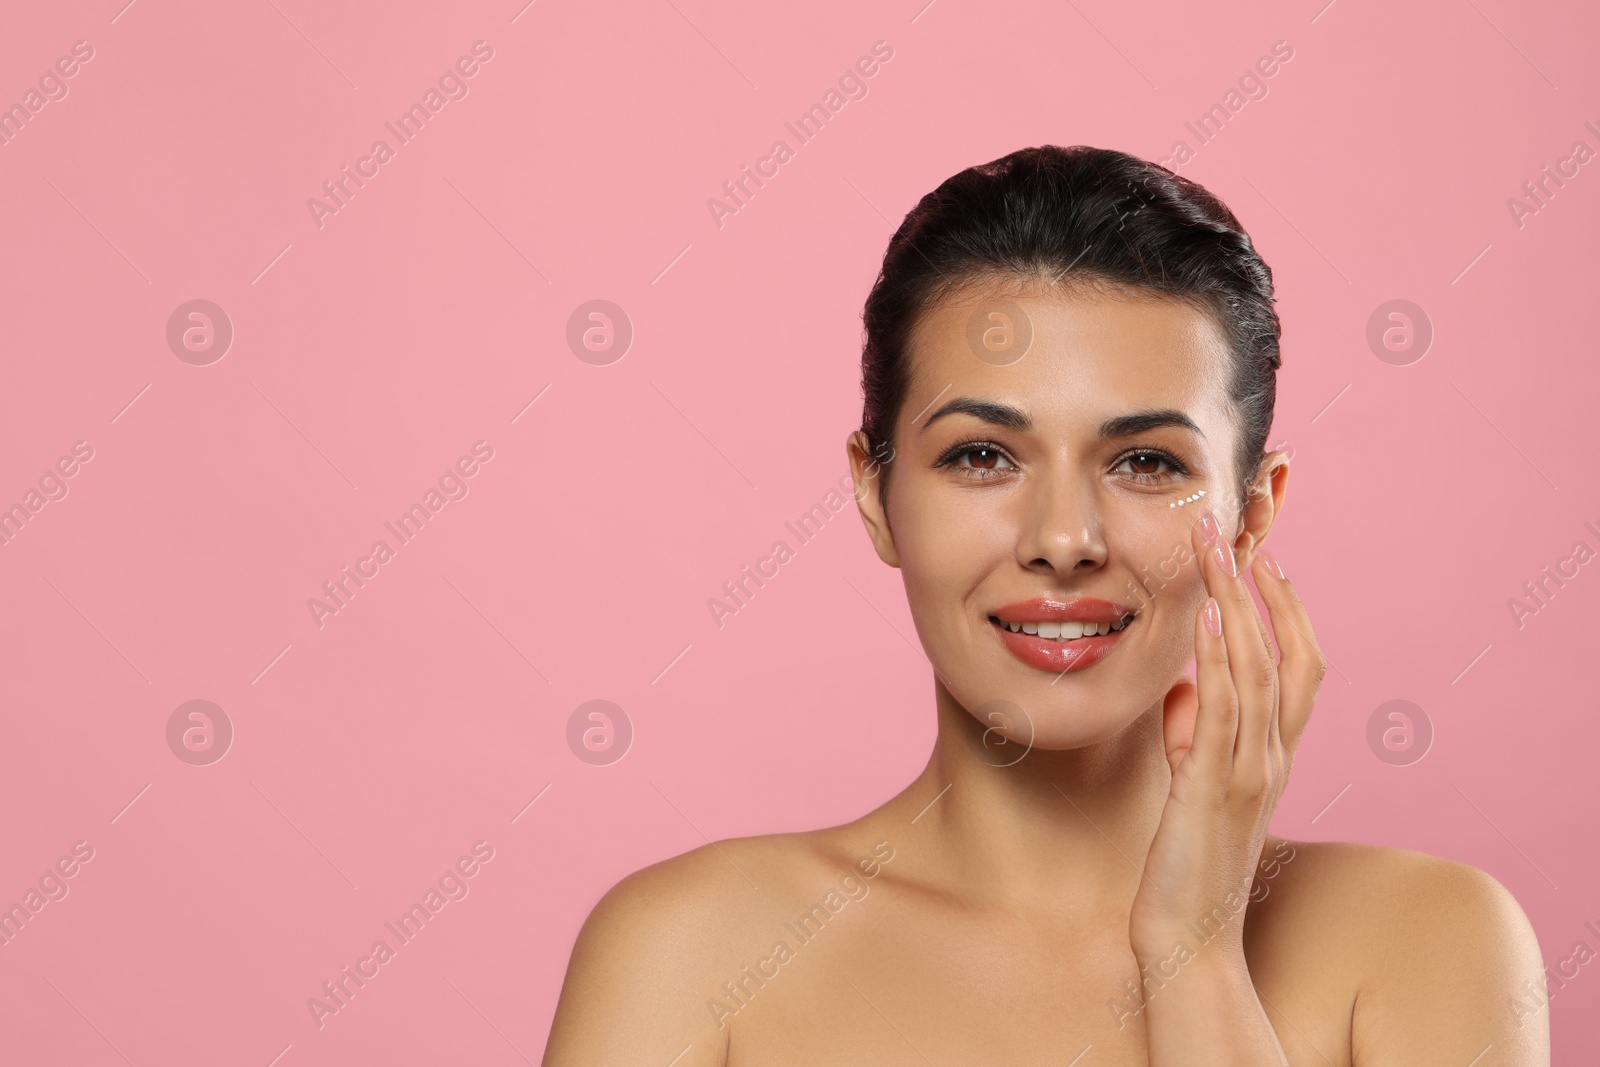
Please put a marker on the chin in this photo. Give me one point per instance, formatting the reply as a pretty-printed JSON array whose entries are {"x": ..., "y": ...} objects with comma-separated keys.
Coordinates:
[{"x": 1057, "y": 724}]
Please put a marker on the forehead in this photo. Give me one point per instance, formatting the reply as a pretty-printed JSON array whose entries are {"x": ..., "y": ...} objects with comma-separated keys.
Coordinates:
[{"x": 1095, "y": 352}]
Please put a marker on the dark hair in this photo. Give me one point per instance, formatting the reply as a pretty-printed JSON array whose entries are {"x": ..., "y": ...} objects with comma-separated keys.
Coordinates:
[{"x": 1072, "y": 215}]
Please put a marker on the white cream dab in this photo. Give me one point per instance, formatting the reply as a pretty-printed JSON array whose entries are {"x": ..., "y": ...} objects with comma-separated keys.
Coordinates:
[{"x": 1187, "y": 500}]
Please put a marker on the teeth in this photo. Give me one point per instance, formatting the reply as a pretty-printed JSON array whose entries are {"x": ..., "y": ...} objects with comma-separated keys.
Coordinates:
[{"x": 1067, "y": 631}]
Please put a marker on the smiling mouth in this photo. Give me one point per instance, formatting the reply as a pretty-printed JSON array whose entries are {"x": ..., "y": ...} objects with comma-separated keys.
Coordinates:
[{"x": 1064, "y": 632}]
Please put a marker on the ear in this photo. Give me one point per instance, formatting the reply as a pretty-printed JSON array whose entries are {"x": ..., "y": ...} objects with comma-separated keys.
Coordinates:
[
  {"x": 1261, "y": 507},
  {"x": 1178, "y": 713},
  {"x": 865, "y": 470}
]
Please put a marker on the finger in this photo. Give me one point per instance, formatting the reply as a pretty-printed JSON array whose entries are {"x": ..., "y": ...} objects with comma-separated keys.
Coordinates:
[
  {"x": 1303, "y": 666},
  {"x": 1255, "y": 674},
  {"x": 1217, "y": 720},
  {"x": 1213, "y": 536}
]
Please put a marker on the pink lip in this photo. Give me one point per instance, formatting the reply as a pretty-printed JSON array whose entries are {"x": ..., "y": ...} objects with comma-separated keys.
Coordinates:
[
  {"x": 1071, "y": 609},
  {"x": 1048, "y": 654}
]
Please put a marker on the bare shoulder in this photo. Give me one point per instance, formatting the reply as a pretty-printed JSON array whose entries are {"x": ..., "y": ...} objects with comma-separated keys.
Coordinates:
[
  {"x": 659, "y": 945},
  {"x": 1392, "y": 904},
  {"x": 1439, "y": 957}
]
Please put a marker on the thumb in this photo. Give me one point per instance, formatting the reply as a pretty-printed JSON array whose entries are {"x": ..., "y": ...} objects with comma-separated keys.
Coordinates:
[{"x": 1178, "y": 713}]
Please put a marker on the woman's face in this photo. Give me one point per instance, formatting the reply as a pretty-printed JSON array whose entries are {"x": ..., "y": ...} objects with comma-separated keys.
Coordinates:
[{"x": 1055, "y": 488}]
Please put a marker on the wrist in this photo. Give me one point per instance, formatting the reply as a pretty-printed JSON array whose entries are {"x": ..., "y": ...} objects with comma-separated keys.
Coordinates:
[
  {"x": 1191, "y": 977},
  {"x": 1210, "y": 1015},
  {"x": 1181, "y": 946},
  {"x": 1154, "y": 937}
]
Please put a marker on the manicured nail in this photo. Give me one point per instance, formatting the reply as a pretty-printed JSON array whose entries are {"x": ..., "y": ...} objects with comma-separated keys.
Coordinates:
[
  {"x": 1208, "y": 525},
  {"x": 1270, "y": 561},
  {"x": 1213, "y": 617},
  {"x": 1224, "y": 554}
]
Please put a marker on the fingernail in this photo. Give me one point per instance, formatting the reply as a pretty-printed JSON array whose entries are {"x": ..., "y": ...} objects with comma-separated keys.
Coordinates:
[
  {"x": 1213, "y": 617},
  {"x": 1270, "y": 561},
  {"x": 1208, "y": 525},
  {"x": 1224, "y": 554}
]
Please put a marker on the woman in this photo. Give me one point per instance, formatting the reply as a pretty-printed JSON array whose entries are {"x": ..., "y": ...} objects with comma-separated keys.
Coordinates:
[{"x": 1069, "y": 377}]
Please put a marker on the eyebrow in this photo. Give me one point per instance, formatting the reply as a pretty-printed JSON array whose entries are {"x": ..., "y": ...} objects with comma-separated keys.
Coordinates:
[{"x": 1016, "y": 419}]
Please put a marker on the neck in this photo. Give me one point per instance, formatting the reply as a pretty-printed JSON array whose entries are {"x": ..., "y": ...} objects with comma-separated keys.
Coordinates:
[{"x": 1067, "y": 830}]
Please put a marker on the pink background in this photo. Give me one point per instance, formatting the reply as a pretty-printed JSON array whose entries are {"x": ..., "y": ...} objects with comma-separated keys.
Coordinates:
[{"x": 372, "y": 352}]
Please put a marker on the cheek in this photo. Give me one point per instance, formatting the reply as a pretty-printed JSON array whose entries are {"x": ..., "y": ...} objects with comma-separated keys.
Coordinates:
[
  {"x": 945, "y": 552},
  {"x": 1151, "y": 534},
  {"x": 1153, "y": 541}
]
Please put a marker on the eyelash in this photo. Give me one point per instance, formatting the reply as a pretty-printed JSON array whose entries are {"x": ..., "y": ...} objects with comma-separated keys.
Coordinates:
[{"x": 955, "y": 452}]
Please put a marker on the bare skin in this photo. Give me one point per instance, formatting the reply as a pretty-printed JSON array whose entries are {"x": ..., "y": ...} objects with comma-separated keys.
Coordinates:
[{"x": 1089, "y": 882}]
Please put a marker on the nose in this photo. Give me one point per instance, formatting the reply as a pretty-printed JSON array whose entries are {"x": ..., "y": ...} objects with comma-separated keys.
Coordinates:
[{"x": 1062, "y": 532}]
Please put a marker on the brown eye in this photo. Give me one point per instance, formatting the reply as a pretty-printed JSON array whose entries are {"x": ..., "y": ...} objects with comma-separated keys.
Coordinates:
[
  {"x": 1145, "y": 463},
  {"x": 1149, "y": 466},
  {"x": 983, "y": 458},
  {"x": 977, "y": 460}
]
